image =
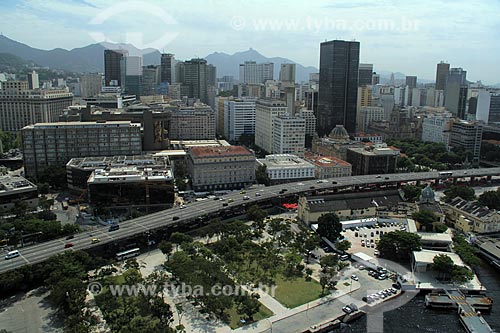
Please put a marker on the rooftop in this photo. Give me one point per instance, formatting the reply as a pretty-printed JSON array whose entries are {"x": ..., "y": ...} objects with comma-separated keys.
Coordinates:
[
  {"x": 10, "y": 184},
  {"x": 427, "y": 257},
  {"x": 354, "y": 201},
  {"x": 472, "y": 208},
  {"x": 283, "y": 161},
  {"x": 92, "y": 163},
  {"x": 81, "y": 124},
  {"x": 129, "y": 174},
  {"x": 219, "y": 151},
  {"x": 326, "y": 160}
]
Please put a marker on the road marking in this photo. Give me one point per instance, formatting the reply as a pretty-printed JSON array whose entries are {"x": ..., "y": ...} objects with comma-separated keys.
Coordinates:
[{"x": 27, "y": 261}]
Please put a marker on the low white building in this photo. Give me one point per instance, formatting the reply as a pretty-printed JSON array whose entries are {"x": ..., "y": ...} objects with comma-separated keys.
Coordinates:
[{"x": 282, "y": 168}]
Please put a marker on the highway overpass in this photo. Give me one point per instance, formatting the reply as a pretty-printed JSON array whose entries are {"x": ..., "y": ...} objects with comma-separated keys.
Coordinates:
[{"x": 177, "y": 216}]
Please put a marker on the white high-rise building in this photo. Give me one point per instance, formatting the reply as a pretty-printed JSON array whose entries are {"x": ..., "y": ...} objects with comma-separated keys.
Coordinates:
[
  {"x": 436, "y": 128},
  {"x": 33, "y": 82},
  {"x": 239, "y": 117},
  {"x": 310, "y": 119},
  {"x": 252, "y": 72},
  {"x": 289, "y": 135},
  {"x": 266, "y": 111},
  {"x": 369, "y": 114}
]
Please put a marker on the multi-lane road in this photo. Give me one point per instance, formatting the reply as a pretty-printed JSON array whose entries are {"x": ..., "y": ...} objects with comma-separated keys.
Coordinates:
[{"x": 41, "y": 252}]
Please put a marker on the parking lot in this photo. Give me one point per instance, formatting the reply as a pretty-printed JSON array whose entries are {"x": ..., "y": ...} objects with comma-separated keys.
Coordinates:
[{"x": 365, "y": 239}]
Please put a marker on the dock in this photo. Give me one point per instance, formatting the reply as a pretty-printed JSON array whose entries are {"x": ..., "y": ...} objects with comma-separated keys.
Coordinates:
[{"x": 468, "y": 308}]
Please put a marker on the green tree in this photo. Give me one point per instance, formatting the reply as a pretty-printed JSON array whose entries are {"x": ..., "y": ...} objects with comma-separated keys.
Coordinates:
[
  {"x": 53, "y": 175},
  {"x": 249, "y": 305},
  {"x": 329, "y": 226},
  {"x": 461, "y": 274},
  {"x": 425, "y": 217},
  {"x": 343, "y": 246},
  {"x": 166, "y": 248},
  {"x": 443, "y": 264},
  {"x": 261, "y": 175},
  {"x": 412, "y": 192},
  {"x": 464, "y": 192},
  {"x": 398, "y": 245},
  {"x": 178, "y": 238},
  {"x": 491, "y": 199},
  {"x": 254, "y": 213}
]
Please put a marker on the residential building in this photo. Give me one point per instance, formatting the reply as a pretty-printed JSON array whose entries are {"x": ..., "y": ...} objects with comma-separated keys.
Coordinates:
[
  {"x": 442, "y": 70},
  {"x": 338, "y": 86},
  {"x": 467, "y": 135},
  {"x": 47, "y": 144},
  {"x": 436, "y": 127},
  {"x": 328, "y": 166},
  {"x": 17, "y": 189},
  {"x": 33, "y": 82},
  {"x": 220, "y": 168},
  {"x": 150, "y": 80},
  {"x": 110, "y": 100},
  {"x": 78, "y": 170},
  {"x": 469, "y": 216},
  {"x": 289, "y": 135},
  {"x": 131, "y": 187},
  {"x": 376, "y": 159},
  {"x": 284, "y": 168},
  {"x": 193, "y": 76},
  {"x": 167, "y": 68},
  {"x": 375, "y": 79},
  {"x": 113, "y": 67},
  {"x": 90, "y": 84},
  {"x": 310, "y": 118},
  {"x": 254, "y": 73},
  {"x": 365, "y": 74},
  {"x": 192, "y": 123},
  {"x": 368, "y": 115},
  {"x": 226, "y": 83},
  {"x": 349, "y": 206},
  {"x": 20, "y": 107},
  {"x": 266, "y": 111},
  {"x": 239, "y": 117}
]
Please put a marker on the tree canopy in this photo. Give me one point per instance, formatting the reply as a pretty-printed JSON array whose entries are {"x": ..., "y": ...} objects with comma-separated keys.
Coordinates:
[
  {"x": 329, "y": 226},
  {"x": 398, "y": 245},
  {"x": 464, "y": 192}
]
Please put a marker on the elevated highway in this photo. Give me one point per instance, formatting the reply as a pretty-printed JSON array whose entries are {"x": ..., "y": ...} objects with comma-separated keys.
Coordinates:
[{"x": 177, "y": 216}]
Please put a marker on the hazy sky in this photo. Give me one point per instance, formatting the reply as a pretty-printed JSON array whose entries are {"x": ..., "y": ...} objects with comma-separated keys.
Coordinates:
[{"x": 405, "y": 36}]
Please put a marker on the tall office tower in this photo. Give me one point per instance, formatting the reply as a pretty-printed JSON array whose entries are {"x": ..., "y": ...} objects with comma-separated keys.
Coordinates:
[
  {"x": 91, "y": 84},
  {"x": 442, "y": 70},
  {"x": 151, "y": 76},
  {"x": 289, "y": 135},
  {"x": 33, "y": 82},
  {"x": 375, "y": 79},
  {"x": 338, "y": 86},
  {"x": 211, "y": 75},
  {"x": 20, "y": 107},
  {"x": 487, "y": 107},
  {"x": 399, "y": 95},
  {"x": 365, "y": 74},
  {"x": 167, "y": 64},
  {"x": 392, "y": 81},
  {"x": 287, "y": 74},
  {"x": 132, "y": 75},
  {"x": 112, "y": 67},
  {"x": 239, "y": 117},
  {"x": 467, "y": 135},
  {"x": 195, "y": 79},
  {"x": 252, "y": 72},
  {"x": 455, "y": 94},
  {"x": 266, "y": 111},
  {"x": 411, "y": 81}
]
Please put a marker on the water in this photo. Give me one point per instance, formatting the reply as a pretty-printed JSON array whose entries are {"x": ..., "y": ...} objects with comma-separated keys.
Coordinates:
[{"x": 414, "y": 317}]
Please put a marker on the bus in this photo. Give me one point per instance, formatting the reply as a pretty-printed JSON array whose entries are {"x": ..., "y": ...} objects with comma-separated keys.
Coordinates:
[
  {"x": 64, "y": 205},
  {"x": 128, "y": 254},
  {"x": 445, "y": 174}
]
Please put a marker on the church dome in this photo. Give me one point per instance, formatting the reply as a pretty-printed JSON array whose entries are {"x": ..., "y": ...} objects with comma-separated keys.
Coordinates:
[
  {"x": 339, "y": 132},
  {"x": 427, "y": 195}
]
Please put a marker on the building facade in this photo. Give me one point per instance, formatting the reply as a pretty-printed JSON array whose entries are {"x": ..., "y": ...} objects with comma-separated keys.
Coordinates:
[
  {"x": 17, "y": 189},
  {"x": 167, "y": 61},
  {"x": 436, "y": 127},
  {"x": 442, "y": 70},
  {"x": 266, "y": 111},
  {"x": 283, "y": 168},
  {"x": 289, "y": 135},
  {"x": 468, "y": 216},
  {"x": 329, "y": 166},
  {"x": 47, "y": 144},
  {"x": 338, "y": 86},
  {"x": 239, "y": 117},
  {"x": 192, "y": 123},
  {"x": 220, "y": 168},
  {"x": 467, "y": 135},
  {"x": 113, "y": 67},
  {"x": 372, "y": 160},
  {"x": 91, "y": 84},
  {"x": 254, "y": 73}
]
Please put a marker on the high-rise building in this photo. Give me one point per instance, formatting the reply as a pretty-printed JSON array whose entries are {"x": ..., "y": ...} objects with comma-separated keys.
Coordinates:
[
  {"x": 47, "y": 144},
  {"x": 33, "y": 82},
  {"x": 151, "y": 76},
  {"x": 192, "y": 123},
  {"x": 467, "y": 135},
  {"x": 167, "y": 65},
  {"x": 239, "y": 117},
  {"x": 132, "y": 75},
  {"x": 365, "y": 74},
  {"x": 442, "y": 70},
  {"x": 193, "y": 76},
  {"x": 252, "y": 72},
  {"x": 411, "y": 81},
  {"x": 487, "y": 107},
  {"x": 20, "y": 107},
  {"x": 287, "y": 74},
  {"x": 289, "y": 135},
  {"x": 310, "y": 118},
  {"x": 436, "y": 128},
  {"x": 369, "y": 114},
  {"x": 211, "y": 75},
  {"x": 375, "y": 79},
  {"x": 266, "y": 111},
  {"x": 455, "y": 95},
  {"x": 338, "y": 86},
  {"x": 91, "y": 84},
  {"x": 113, "y": 67}
]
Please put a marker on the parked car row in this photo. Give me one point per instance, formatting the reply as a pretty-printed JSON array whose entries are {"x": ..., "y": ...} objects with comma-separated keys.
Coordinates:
[{"x": 383, "y": 294}]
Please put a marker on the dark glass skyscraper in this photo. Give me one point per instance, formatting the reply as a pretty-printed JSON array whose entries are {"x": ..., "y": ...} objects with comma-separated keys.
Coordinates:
[
  {"x": 166, "y": 67},
  {"x": 442, "y": 70},
  {"x": 365, "y": 74},
  {"x": 338, "y": 86},
  {"x": 112, "y": 66}
]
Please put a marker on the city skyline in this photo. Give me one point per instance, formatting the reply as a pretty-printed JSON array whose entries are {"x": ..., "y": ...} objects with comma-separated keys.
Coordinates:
[{"x": 406, "y": 39}]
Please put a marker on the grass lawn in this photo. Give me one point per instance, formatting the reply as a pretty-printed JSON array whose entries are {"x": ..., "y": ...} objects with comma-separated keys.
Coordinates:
[
  {"x": 235, "y": 317},
  {"x": 292, "y": 292}
]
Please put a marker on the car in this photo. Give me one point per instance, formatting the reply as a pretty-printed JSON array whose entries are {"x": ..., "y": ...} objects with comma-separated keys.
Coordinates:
[
  {"x": 362, "y": 242},
  {"x": 382, "y": 277},
  {"x": 396, "y": 286},
  {"x": 246, "y": 197},
  {"x": 224, "y": 204},
  {"x": 344, "y": 257},
  {"x": 312, "y": 187},
  {"x": 393, "y": 290},
  {"x": 95, "y": 240},
  {"x": 377, "y": 232},
  {"x": 70, "y": 237},
  {"x": 327, "y": 249},
  {"x": 114, "y": 227},
  {"x": 378, "y": 176},
  {"x": 182, "y": 206},
  {"x": 243, "y": 192},
  {"x": 353, "y": 307},
  {"x": 284, "y": 189},
  {"x": 356, "y": 234},
  {"x": 465, "y": 172},
  {"x": 222, "y": 199},
  {"x": 376, "y": 253},
  {"x": 347, "y": 309},
  {"x": 300, "y": 184},
  {"x": 257, "y": 194},
  {"x": 12, "y": 254},
  {"x": 372, "y": 234},
  {"x": 372, "y": 245},
  {"x": 334, "y": 182},
  {"x": 175, "y": 218},
  {"x": 230, "y": 200},
  {"x": 354, "y": 277},
  {"x": 68, "y": 245},
  {"x": 215, "y": 198},
  {"x": 387, "y": 178}
]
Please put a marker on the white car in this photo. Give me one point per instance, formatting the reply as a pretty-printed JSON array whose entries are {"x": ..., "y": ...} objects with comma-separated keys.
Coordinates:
[
  {"x": 12, "y": 254},
  {"x": 354, "y": 277}
]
